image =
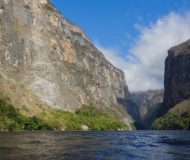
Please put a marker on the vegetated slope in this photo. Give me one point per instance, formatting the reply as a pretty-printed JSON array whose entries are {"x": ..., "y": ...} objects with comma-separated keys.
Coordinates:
[
  {"x": 89, "y": 118},
  {"x": 176, "y": 118},
  {"x": 21, "y": 110},
  {"x": 54, "y": 63}
]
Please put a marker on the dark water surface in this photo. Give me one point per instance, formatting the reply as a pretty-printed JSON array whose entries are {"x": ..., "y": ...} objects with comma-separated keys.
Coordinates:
[{"x": 138, "y": 145}]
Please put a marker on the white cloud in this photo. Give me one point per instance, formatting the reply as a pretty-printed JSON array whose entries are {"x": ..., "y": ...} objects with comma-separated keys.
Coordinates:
[{"x": 144, "y": 66}]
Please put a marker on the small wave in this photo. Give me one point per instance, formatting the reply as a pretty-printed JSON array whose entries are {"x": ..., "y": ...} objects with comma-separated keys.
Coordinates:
[{"x": 175, "y": 141}]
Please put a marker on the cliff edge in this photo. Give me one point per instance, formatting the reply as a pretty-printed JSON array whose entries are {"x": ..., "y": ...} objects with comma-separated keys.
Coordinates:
[
  {"x": 55, "y": 61},
  {"x": 176, "y": 103}
]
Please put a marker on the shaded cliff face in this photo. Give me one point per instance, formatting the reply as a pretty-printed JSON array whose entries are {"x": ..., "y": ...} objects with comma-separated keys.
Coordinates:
[
  {"x": 176, "y": 107},
  {"x": 55, "y": 60},
  {"x": 146, "y": 100},
  {"x": 177, "y": 75},
  {"x": 144, "y": 106}
]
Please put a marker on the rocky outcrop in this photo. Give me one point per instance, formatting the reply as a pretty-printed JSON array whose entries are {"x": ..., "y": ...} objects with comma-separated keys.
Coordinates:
[
  {"x": 177, "y": 75},
  {"x": 144, "y": 106},
  {"x": 54, "y": 59}
]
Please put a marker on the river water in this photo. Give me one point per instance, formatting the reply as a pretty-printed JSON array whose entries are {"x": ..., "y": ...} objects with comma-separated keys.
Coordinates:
[{"x": 121, "y": 145}]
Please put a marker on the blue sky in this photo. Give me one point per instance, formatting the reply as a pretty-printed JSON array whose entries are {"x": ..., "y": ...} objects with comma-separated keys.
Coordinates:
[
  {"x": 112, "y": 22},
  {"x": 124, "y": 30}
]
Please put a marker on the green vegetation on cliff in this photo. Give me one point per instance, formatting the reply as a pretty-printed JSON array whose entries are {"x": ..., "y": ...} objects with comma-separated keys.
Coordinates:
[
  {"x": 173, "y": 122},
  {"x": 178, "y": 118},
  {"x": 11, "y": 120},
  {"x": 87, "y": 118}
]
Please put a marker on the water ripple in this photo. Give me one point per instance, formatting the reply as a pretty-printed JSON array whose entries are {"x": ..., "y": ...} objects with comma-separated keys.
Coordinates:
[{"x": 135, "y": 145}]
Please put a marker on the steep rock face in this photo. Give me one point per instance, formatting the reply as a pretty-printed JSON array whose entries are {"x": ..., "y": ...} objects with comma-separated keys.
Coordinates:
[
  {"x": 175, "y": 111},
  {"x": 55, "y": 60},
  {"x": 146, "y": 100},
  {"x": 177, "y": 75},
  {"x": 144, "y": 106}
]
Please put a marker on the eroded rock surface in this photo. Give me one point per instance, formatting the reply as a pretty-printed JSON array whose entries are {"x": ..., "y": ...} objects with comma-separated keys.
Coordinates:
[
  {"x": 144, "y": 107},
  {"x": 55, "y": 60},
  {"x": 177, "y": 75}
]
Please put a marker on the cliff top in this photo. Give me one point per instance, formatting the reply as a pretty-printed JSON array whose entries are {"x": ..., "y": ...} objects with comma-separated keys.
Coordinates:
[{"x": 183, "y": 48}]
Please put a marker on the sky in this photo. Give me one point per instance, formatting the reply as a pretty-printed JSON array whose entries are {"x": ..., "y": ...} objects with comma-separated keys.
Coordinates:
[{"x": 134, "y": 35}]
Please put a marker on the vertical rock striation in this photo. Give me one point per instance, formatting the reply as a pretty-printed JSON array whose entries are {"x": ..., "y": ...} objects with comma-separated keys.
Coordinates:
[
  {"x": 146, "y": 100},
  {"x": 177, "y": 75},
  {"x": 55, "y": 60},
  {"x": 176, "y": 107},
  {"x": 144, "y": 107}
]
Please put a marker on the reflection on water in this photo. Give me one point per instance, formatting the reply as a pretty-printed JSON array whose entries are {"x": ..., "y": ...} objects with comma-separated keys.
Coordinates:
[{"x": 95, "y": 145}]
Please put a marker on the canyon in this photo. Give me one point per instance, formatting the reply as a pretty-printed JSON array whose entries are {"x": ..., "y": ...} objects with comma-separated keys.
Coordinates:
[{"x": 48, "y": 63}]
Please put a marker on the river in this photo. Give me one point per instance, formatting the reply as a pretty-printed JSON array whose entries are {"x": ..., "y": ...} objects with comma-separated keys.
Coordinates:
[{"x": 76, "y": 145}]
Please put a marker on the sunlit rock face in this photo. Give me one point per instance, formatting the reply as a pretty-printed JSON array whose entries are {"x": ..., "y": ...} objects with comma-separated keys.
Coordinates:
[
  {"x": 177, "y": 75},
  {"x": 55, "y": 60}
]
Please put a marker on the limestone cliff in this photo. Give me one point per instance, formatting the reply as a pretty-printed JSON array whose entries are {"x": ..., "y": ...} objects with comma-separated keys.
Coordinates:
[
  {"x": 55, "y": 61},
  {"x": 177, "y": 89},
  {"x": 146, "y": 100},
  {"x": 177, "y": 75},
  {"x": 144, "y": 106}
]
